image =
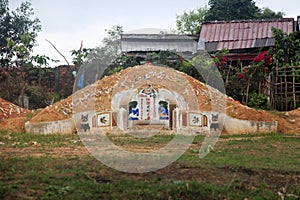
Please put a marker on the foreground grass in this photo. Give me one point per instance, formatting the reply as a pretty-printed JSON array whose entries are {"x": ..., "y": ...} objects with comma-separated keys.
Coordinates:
[
  {"x": 239, "y": 167},
  {"x": 273, "y": 151}
]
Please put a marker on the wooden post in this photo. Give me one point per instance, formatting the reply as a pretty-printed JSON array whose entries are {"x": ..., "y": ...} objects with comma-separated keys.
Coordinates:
[
  {"x": 286, "y": 90},
  {"x": 275, "y": 86},
  {"x": 294, "y": 91}
]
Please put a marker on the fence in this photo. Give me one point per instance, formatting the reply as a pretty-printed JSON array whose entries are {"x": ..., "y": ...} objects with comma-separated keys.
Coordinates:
[{"x": 285, "y": 91}]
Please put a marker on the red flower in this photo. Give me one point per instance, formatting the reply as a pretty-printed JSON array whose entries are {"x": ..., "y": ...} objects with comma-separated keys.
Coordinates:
[
  {"x": 220, "y": 62},
  {"x": 268, "y": 60},
  {"x": 241, "y": 76},
  {"x": 245, "y": 69},
  {"x": 263, "y": 56}
]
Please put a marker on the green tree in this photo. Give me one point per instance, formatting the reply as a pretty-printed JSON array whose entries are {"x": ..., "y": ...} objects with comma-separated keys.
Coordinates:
[
  {"x": 80, "y": 56},
  {"x": 267, "y": 13},
  {"x": 287, "y": 48},
  {"x": 102, "y": 60},
  {"x": 231, "y": 10},
  {"x": 111, "y": 46},
  {"x": 191, "y": 22},
  {"x": 18, "y": 29}
]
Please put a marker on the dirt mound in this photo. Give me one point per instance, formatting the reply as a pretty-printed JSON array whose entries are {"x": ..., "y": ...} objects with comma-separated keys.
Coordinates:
[
  {"x": 292, "y": 120},
  {"x": 237, "y": 110},
  {"x": 9, "y": 110},
  {"x": 12, "y": 117},
  {"x": 295, "y": 112},
  {"x": 98, "y": 96},
  {"x": 58, "y": 111},
  {"x": 63, "y": 109}
]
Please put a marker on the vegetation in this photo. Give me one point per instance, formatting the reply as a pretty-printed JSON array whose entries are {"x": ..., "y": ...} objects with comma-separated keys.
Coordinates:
[
  {"x": 248, "y": 82},
  {"x": 230, "y": 10},
  {"x": 258, "y": 101},
  {"x": 287, "y": 48},
  {"x": 103, "y": 60},
  {"x": 191, "y": 22},
  {"x": 238, "y": 10},
  {"x": 17, "y": 34},
  {"x": 222, "y": 10},
  {"x": 21, "y": 73},
  {"x": 267, "y": 13},
  {"x": 239, "y": 167}
]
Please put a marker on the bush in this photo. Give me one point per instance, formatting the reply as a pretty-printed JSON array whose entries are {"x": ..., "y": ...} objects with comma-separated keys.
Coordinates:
[{"x": 258, "y": 101}]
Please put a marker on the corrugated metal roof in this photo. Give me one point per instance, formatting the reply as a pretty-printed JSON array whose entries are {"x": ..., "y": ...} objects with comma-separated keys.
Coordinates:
[
  {"x": 158, "y": 42},
  {"x": 243, "y": 34}
]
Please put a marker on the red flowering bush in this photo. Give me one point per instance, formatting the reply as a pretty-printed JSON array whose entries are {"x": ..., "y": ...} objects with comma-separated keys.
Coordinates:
[
  {"x": 220, "y": 59},
  {"x": 263, "y": 57},
  {"x": 241, "y": 76},
  {"x": 220, "y": 62},
  {"x": 259, "y": 67}
]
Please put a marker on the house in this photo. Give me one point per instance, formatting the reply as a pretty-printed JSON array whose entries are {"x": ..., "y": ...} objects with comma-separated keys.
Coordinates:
[
  {"x": 243, "y": 38},
  {"x": 138, "y": 45}
]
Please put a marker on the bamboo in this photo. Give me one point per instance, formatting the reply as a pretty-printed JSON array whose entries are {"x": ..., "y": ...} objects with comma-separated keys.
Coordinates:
[
  {"x": 291, "y": 93},
  {"x": 294, "y": 94},
  {"x": 286, "y": 88},
  {"x": 275, "y": 86}
]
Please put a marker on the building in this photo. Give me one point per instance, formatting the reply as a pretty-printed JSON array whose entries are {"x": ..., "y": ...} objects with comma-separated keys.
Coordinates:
[
  {"x": 138, "y": 45},
  {"x": 243, "y": 38}
]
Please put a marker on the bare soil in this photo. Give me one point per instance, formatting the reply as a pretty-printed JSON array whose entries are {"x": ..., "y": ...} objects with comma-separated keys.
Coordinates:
[
  {"x": 12, "y": 117},
  {"x": 10, "y": 110}
]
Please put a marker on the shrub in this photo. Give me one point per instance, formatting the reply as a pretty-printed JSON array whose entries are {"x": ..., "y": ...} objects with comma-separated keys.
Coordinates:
[{"x": 258, "y": 101}]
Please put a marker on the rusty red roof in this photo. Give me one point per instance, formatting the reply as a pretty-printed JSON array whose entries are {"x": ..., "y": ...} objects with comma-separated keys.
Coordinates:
[{"x": 243, "y": 34}]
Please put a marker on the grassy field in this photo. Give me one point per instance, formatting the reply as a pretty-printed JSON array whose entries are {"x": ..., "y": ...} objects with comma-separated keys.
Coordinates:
[{"x": 239, "y": 167}]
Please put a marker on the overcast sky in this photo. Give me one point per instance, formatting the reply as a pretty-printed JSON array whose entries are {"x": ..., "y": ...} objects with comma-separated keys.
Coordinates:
[{"x": 66, "y": 22}]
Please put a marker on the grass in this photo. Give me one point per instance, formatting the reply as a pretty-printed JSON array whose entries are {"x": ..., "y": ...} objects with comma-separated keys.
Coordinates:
[
  {"x": 239, "y": 167},
  {"x": 20, "y": 140},
  {"x": 126, "y": 139},
  {"x": 273, "y": 151}
]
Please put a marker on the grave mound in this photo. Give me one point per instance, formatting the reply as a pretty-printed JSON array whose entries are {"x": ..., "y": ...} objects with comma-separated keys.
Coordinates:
[
  {"x": 12, "y": 117},
  {"x": 98, "y": 96}
]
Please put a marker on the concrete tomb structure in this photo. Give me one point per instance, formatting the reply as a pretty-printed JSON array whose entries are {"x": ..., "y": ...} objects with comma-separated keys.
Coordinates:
[{"x": 150, "y": 106}]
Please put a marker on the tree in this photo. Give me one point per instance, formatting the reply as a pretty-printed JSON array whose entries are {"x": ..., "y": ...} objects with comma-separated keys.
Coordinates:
[
  {"x": 17, "y": 28},
  {"x": 191, "y": 22},
  {"x": 267, "y": 13},
  {"x": 111, "y": 45},
  {"x": 22, "y": 74},
  {"x": 231, "y": 10},
  {"x": 80, "y": 56},
  {"x": 102, "y": 60},
  {"x": 287, "y": 48}
]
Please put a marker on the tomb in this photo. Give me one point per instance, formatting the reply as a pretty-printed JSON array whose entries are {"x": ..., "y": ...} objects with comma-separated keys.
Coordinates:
[
  {"x": 150, "y": 107},
  {"x": 152, "y": 98},
  {"x": 144, "y": 98}
]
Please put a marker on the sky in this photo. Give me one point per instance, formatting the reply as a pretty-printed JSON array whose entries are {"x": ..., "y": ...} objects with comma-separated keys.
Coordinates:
[{"x": 66, "y": 23}]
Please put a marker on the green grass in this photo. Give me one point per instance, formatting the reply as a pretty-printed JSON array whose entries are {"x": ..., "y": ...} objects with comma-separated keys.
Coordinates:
[
  {"x": 239, "y": 167},
  {"x": 25, "y": 140},
  {"x": 49, "y": 178},
  {"x": 273, "y": 151}
]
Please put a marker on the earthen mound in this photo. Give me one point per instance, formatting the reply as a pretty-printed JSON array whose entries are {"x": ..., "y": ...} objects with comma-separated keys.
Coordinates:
[
  {"x": 101, "y": 93},
  {"x": 12, "y": 117}
]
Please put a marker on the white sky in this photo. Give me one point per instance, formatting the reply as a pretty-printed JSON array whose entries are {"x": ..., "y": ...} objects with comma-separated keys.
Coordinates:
[{"x": 66, "y": 22}]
